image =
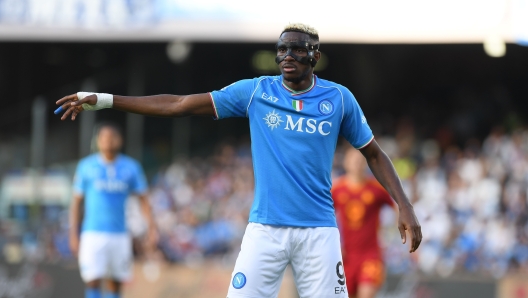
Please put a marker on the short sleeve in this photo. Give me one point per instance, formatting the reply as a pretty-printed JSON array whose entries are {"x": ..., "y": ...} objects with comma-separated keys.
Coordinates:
[
  {"x": 79, "y": 180},
  {"x": 139, "y": 182},
  {"x": 233, "y": 100},
  {"x": 354, "y": 126}
]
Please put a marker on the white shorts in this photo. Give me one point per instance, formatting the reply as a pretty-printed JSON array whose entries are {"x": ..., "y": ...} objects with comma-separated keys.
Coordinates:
[
  {"x": 105, "y": 255},
  {"x": 314, "y": 255}
]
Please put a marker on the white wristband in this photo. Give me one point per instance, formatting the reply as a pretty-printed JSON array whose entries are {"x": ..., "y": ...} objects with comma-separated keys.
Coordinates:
[{"x": 104, "y": 101}]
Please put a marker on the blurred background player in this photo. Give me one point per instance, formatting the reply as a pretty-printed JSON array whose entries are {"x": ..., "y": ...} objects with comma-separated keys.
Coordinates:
[
  {"x": 358, "y": 200},
  {"x": 102, "y": 184}
]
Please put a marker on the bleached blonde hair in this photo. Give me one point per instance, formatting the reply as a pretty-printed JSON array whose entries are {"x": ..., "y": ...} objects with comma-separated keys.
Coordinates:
[{"x": 303, "y": 28}]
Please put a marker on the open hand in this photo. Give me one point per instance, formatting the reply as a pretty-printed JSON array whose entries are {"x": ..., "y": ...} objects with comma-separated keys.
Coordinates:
[
  {"x": 73, "y": 106},
  {"x": 408, "y": 222}
]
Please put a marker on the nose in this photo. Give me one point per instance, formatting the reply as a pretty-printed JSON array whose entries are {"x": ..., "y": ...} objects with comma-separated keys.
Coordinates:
[{"x": 289, "y": 57}]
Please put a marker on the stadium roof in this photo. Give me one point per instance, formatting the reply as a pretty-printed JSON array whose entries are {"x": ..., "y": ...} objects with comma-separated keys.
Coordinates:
[{"x": 356, "y": 21}]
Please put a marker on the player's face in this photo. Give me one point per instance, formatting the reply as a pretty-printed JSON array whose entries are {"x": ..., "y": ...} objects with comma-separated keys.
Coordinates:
[
  {"x": 354, "y": 162},
  {"x": 291, "y": 69},
  {"x": 109, "y": 140}
]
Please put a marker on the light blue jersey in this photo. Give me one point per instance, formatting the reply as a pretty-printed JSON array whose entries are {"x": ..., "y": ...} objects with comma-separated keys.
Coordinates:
[
  {"x": 106, "y": 186},
  {"x": 293, "y": 141}
]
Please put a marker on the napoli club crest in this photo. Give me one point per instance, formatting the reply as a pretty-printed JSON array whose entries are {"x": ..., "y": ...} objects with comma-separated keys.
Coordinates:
[
  {"x": 239, "y": 280},
  {"x": 326, "y": 107}
]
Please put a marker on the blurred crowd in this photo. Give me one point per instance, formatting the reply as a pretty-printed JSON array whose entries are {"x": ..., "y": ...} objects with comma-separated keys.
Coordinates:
[
  {"x": 201, "y": 205},
  {"x": 471, "y": 201}
]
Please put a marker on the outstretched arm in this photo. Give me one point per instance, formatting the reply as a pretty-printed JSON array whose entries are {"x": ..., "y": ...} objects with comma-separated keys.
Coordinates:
[
  {"x": 157, "y": 105},
  {"x": 384, "y": 171}
]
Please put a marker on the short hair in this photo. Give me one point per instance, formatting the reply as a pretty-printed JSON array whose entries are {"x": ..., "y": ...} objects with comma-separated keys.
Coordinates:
[{"x": 302, "y": 28}]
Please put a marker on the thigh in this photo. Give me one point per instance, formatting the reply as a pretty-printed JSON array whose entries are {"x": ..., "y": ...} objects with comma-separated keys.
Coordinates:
[
  {"x": 120, "y": 248},
  {"x": 93, "y": 257},
  {"x": 260, "y": 264},
  {"x": 317, "y": 264}
]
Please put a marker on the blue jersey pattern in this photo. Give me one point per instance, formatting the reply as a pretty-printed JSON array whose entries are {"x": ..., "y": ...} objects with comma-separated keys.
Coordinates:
[
  {"x": 293, "y": 141},
  {"x": 106, "y": 186}
]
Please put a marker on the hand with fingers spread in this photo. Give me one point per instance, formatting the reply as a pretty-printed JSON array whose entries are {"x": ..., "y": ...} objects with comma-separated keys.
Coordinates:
[
  {"x": 83, "y": 101},
  {"x": 408, "y": 222}
]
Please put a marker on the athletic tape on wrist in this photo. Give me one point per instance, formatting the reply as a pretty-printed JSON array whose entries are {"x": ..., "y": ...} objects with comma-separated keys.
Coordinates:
[{"x": 104, "y": 101}]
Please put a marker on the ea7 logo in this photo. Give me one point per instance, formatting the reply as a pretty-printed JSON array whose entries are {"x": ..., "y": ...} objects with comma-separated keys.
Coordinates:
[
  {"x": 312, "y": 126},
  {"x": 269, "y": 97}
]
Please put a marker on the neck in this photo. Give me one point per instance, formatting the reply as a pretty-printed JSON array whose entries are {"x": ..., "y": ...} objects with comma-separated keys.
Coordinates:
[
  {"x": 301, "y": 86},
  {"x": 109, "y": 156}
]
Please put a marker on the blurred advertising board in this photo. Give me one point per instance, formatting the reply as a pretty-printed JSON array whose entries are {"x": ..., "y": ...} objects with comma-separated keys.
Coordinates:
[
  {"x": 27, "y": 187},
  {"x": 210, "y": 279}
]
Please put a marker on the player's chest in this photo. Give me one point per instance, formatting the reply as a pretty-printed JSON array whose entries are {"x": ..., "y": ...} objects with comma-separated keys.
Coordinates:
[
  {"x": 352, "y": 198},
  {"x": 317, "y": 115},
  {"x": 109, "y": 178}
]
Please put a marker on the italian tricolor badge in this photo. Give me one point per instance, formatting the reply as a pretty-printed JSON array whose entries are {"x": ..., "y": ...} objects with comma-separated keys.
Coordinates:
[{"x": 297, "y": 105}]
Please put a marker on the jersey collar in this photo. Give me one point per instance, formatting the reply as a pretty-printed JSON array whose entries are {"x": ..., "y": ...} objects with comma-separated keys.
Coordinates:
[
  {"x": 294, "y": 92},
  {"x": 105, "y": 162}
]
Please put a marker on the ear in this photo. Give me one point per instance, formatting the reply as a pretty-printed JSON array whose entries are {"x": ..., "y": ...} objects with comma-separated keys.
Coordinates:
[{"x": 317, "y": 55}]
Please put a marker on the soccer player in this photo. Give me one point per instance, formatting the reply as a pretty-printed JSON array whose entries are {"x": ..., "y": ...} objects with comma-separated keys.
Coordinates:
[
  {"x": 295, "y": 120},
  {"x": 102, "y": 184},
  {"x": 358, "y": 200}
]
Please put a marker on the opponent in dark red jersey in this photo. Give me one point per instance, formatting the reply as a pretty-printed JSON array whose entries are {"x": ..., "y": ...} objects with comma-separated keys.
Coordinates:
[{"x": 358, "y": 200}]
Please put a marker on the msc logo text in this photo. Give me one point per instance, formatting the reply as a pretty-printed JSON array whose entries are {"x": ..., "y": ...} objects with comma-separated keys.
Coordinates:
[
  {"x": 274, "y": 120},
  {"x": 311, "y": 125}
]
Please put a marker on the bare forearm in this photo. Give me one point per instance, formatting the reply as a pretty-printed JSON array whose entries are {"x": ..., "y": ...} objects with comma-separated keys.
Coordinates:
[
  {"x": 383, "y": 169},
  {"x": 165, "y": 105}
]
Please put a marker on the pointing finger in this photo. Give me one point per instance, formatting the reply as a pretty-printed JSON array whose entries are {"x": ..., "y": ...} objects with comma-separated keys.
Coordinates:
[{"x": 66, "y": 99}]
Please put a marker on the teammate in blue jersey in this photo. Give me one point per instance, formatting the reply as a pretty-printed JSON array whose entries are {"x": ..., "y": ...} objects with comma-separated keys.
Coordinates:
[
  {"x": 103, "y": 182},
  {"x": 295, "y": 120}
]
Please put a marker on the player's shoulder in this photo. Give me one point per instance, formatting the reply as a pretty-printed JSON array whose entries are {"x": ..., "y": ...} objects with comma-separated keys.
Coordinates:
[
  {"x": 89, "y": 160},
  {"x": 322, "y": 83},
  {"x": 127, "y": 160},
  {"x": 251, "y": 83},
  {"x": 267, "y": 79}
]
